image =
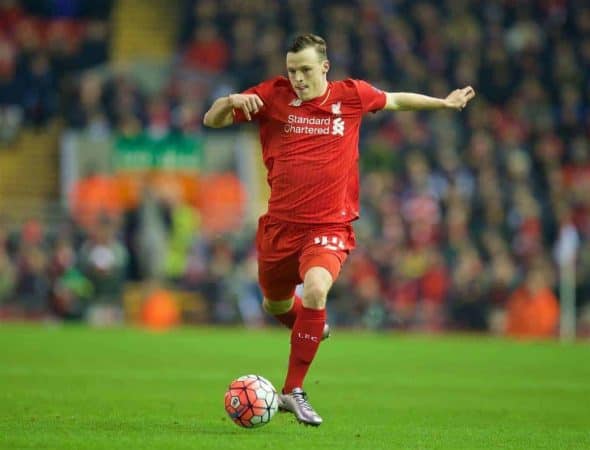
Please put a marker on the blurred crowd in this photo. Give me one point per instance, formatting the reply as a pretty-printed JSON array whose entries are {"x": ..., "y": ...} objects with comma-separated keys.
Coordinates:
[
  {"x": 42, "y": 43},
  {"x": 461, "y": 212}
]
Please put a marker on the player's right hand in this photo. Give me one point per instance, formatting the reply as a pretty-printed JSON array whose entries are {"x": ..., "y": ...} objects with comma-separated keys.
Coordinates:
[{"x": 250, "y": 104}]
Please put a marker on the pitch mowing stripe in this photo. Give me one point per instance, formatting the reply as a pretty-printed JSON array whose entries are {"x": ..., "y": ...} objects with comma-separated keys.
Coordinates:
[{"x": 141, "y": 375}]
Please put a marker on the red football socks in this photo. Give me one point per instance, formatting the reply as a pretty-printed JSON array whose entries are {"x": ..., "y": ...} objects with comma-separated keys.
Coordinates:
[
  {"x": 288, "y": 318},
  {"x": 305, "y": 340}
]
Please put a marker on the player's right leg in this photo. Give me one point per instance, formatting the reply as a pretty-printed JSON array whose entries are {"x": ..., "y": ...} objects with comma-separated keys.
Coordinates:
[
  {"x": 285, "y": 311},
  {"x": 278, "y": 270},
  {"x": 305, "y": 341}
]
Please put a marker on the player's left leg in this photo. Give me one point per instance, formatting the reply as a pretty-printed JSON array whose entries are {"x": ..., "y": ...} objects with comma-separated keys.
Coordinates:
[{"x": 286, "y": 311}]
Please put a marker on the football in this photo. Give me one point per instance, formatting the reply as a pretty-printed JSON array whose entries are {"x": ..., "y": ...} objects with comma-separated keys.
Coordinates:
[{"x": 251, "y": 401}]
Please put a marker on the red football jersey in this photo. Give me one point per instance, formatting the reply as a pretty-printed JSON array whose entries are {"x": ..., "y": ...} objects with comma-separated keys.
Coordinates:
[{"x": 310, "y": 148}]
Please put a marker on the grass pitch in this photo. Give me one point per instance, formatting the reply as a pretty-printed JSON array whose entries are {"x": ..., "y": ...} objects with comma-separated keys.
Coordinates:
[{"x": 80, "y": 388}]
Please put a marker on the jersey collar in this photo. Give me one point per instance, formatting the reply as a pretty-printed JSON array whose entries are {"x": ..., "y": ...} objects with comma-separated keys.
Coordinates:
[{"x": 318, "y": 101}]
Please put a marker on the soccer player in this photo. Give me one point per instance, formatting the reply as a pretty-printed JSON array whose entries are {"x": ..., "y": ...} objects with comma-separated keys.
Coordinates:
[{"x": 309, "y": 132}]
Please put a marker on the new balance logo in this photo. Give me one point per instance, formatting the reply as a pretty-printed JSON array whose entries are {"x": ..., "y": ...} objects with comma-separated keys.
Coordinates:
[
  {"x": 338, "y": 126},
  {"x": 336, "y": 108},
  {"x": 295, "y": 102},
  {"x": 331, "y": 243}
]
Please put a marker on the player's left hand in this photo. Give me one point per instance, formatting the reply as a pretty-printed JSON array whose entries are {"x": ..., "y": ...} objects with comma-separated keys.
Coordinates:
[{"x": 459, "y": 98}]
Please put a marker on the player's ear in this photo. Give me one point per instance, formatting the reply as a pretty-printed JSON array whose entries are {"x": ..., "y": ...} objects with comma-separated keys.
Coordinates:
[{"x": 325, "y": 66}]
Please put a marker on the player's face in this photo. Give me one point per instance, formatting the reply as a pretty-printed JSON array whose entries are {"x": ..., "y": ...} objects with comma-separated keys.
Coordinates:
[{"x": 307, "y": 73}]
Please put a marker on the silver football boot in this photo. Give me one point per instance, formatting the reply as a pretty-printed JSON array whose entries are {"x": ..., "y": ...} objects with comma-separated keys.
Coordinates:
[
  {"x": 326, "y": 333},
  {"x": 296, "y": 403}
]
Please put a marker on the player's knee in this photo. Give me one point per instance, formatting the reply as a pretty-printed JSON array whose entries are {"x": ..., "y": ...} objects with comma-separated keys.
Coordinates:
[
  {"x": 276, "y": 308},
  {"x": 314, "y": 296},
  {"x": 315, "y": 288}
]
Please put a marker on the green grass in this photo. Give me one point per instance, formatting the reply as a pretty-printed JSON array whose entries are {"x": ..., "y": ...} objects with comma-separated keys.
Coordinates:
[{"x": 80, "y": 388}]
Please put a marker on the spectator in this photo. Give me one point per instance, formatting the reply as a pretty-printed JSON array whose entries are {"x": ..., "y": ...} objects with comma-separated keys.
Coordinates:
[
  {"x": 71, "y": 291},
  {"x": 40, "y": 99},
  {"x": 11, "y": 92},
  {"x": 86, "y": 110},
  {"x": 469, "y": 304},
  {"x": 103, "y": 261},
  {"x": 93, "y": 46},
  {"x": 32, "y": 289},
  {"x": 151, "y": 236},
  {"x": 7, "y": 277},
  {"x": 93, "y": 198},
  {"x": 207, "y": 51},
  {"x": 533, "y": 309},
  {"x": 72, "y": 294}
]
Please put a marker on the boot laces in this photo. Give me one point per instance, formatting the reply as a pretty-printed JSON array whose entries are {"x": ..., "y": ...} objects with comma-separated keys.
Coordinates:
[{"x": 301, "y": 399}]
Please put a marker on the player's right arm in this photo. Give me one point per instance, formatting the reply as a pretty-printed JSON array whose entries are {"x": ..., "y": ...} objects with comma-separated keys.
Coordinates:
[{"x": 221, "y": 113}]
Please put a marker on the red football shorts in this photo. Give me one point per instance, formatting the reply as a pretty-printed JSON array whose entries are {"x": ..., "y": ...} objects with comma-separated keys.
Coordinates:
[{"x": 286, "y": 251}]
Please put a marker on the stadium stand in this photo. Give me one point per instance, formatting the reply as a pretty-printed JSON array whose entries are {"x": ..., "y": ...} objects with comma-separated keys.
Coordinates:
[{"x": 461, "y": 213}]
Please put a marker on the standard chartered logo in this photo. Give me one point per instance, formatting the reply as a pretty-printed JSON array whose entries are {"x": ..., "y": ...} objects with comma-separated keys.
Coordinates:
[
  {"x": 338, "y": 126},
  {"x": 314, "y": 125}
]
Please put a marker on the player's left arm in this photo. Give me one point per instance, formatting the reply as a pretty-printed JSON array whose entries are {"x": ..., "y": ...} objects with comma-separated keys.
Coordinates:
[{"x": 408, "y": 101}]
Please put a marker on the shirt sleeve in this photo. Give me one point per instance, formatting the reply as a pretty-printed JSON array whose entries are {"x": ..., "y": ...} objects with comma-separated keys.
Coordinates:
[
  {"x": 262, "y": 90},
  {"x": 372, "y": 99}
]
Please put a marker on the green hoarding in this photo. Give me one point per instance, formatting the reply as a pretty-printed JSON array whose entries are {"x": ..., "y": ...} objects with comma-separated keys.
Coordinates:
[{"x": 174, "y": 152}]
